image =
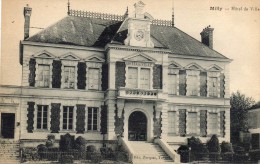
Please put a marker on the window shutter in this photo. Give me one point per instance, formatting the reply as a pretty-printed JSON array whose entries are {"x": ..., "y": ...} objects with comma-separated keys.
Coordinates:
[
  {"x": 81, "y": 75},
  {"x": 120, "y": 74},
  {"x": 104, "y": 78},
  {"x": 56, "y": 74},
  {"x": 222, "y": 123},
  {"x": 80, "y": 119},
  {"x": 182, "y": 82},
  {"x": 203, "y": 123},
  {"x": 103, "y": 123},
  {"x": 30, "y": 116},
  {"x": 203, "y": 84},
  {"x": 182, "y": 122},
  {"x": 222, "y": 85},
  {"x": 55, "y": 117},
  {"x": 32, "y": 69},
  {"x": 157, "y": 77}
]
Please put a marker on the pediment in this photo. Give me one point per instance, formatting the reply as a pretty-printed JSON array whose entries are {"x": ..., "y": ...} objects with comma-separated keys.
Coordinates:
[
  {"x": 94, "y": 58},
  {"x": 215, "y": 68},
  {"x": 194, "y": 66},
  {"x": 69, "y": 56},
  {"x": 175, "y": 65},
  {"x": 44, "y": 54},
  {"x": 141, "y": 57}
]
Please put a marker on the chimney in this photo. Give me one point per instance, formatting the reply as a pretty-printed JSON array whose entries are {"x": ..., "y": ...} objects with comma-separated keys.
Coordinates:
[
  {"x": 139, "y": 7},
  {"x": 27, "y": 14},
  {"x": 207, "y": 36}
]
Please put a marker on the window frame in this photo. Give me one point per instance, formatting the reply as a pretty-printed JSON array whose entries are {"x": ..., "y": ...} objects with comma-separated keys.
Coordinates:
[
  {"x": 41, "y": 107},
  {"x": 170, "y": 123},
  {"x": 64, "y": 77},
  {"x": 62, "y": 118},
  {"x": 209, "y": 120},
  {"x": 92, "y": 120},
  {"x": 99, "y": 78},
  {"x": 150, "y": 67},
  {"x": 194, "y": 128}
]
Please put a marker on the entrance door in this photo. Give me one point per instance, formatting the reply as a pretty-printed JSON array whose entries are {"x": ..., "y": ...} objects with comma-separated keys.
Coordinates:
[
  {"x": 137, "y": 127},
  {"x": 7, "y": 125}
]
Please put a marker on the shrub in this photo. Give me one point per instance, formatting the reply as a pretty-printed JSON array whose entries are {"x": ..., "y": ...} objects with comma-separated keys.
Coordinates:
[
  {"x": 107, "y": 153},
  {"x": 42, "y": 149},
  {"x": 96, "y": 157},
  {"x": 29, "y": 154},
  {"x": 226, "y": 151},
  {"x": 240, "y": 154},
  {"x": 198, "y": 150},
  {"x": 91, "y": 149},
  {"x": 66, "y": 142},
  {"x": 80, "y": 145},
  {"x": 214, "y": 148},
  {"x": 50, "y": 141},
  {"x": 183, "y": 150},
  {"x": 66, "y": 159}
]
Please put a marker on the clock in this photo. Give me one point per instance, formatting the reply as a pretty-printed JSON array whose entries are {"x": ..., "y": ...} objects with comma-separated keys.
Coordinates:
[{"x": 139, "y": 35}]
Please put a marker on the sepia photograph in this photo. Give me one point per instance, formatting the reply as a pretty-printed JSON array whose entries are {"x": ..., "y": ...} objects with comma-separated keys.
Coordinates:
[{"x": 130, "y": 81}]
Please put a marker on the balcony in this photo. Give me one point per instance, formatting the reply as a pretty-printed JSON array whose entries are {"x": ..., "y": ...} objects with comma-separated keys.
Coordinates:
[{"x": 145, "y": 94}]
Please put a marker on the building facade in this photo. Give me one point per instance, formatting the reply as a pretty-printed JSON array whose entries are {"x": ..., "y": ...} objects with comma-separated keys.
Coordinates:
[{"x": 131, "y": 76}]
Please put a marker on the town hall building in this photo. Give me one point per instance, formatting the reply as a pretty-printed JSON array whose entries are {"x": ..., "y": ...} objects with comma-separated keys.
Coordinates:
[{"x": 128, "y": 78}]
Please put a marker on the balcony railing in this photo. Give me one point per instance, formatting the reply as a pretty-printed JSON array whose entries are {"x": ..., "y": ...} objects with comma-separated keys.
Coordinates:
[{"x": 139, "y": 93}]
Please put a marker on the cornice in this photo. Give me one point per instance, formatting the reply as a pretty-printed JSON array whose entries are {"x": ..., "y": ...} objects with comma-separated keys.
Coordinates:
[{"x": 62, "y": 46}]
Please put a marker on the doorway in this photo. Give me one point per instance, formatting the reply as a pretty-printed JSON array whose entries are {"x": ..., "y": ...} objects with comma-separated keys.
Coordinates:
[
  {"x": 137, "y": 126},
  {"x": 7, "y": 125}
]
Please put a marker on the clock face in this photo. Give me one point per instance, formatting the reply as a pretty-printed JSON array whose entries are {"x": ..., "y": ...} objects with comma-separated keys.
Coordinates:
[{"x": 139, "y": 35}]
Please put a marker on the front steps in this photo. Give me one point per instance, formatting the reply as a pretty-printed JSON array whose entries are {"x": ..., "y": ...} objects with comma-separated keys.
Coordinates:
[
  {"x": 9, "y": 151},
  {"x": 145, "y": 152}
]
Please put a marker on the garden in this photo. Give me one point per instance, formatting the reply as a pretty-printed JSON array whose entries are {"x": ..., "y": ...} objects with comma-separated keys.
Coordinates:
[
  {"x": 214, "y": 152},
  {"x": 71, "y": 149}
]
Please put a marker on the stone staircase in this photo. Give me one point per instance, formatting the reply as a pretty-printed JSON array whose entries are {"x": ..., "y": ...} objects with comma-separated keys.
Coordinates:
[
  {"x": 9, "y": 151},
  {"x": 145, "y": 152}
]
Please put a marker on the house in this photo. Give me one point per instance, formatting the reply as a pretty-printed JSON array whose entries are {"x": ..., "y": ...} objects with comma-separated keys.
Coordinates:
[{"x": 138, "y": 78}]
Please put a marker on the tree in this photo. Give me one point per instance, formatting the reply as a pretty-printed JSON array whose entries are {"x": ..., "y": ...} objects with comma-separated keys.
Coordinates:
[{"x": 239, "y": 112}]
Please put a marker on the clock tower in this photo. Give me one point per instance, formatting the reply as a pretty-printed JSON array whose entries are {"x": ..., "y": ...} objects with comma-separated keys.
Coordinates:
[{"x": 139, "y": 28}]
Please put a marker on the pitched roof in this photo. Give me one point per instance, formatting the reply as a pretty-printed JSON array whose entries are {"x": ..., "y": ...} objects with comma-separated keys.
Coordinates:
[{"x": 95, "y": 32}]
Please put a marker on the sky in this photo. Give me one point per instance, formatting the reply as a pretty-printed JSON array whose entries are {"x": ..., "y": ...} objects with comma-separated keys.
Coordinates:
[{"x": 236, "y": 30}]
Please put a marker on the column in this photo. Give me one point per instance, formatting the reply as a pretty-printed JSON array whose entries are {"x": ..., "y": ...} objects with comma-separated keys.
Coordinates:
[
  {"x": 164, "y": 121},
  {"x": 111, "y": 120},
  {"x": 112, "y": 74}
]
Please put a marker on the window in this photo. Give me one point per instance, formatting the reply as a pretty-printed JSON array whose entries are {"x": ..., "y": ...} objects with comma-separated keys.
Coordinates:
[
  {"x": 92, "y": 118},
  {"x": 213, "y": 87},
  {"x": 213, "y": 123},
  {"x": 172, "y": 84},
  {"x": 43, "y": 75},
  {"x": 139, "y": 78},
  {"x": 69, "y": 76},
  {"x": 193, "y": 85},
  {"x": 42, "y": 116},
  {"x": 171, "y": 122},
  {"x": 132, "y": 77},
  {"x": 67, "y": 118},
  {"x": 93, "y": 78},
  {"x": 145, "y": 78},
  {"x": 192, "y": 122}
]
